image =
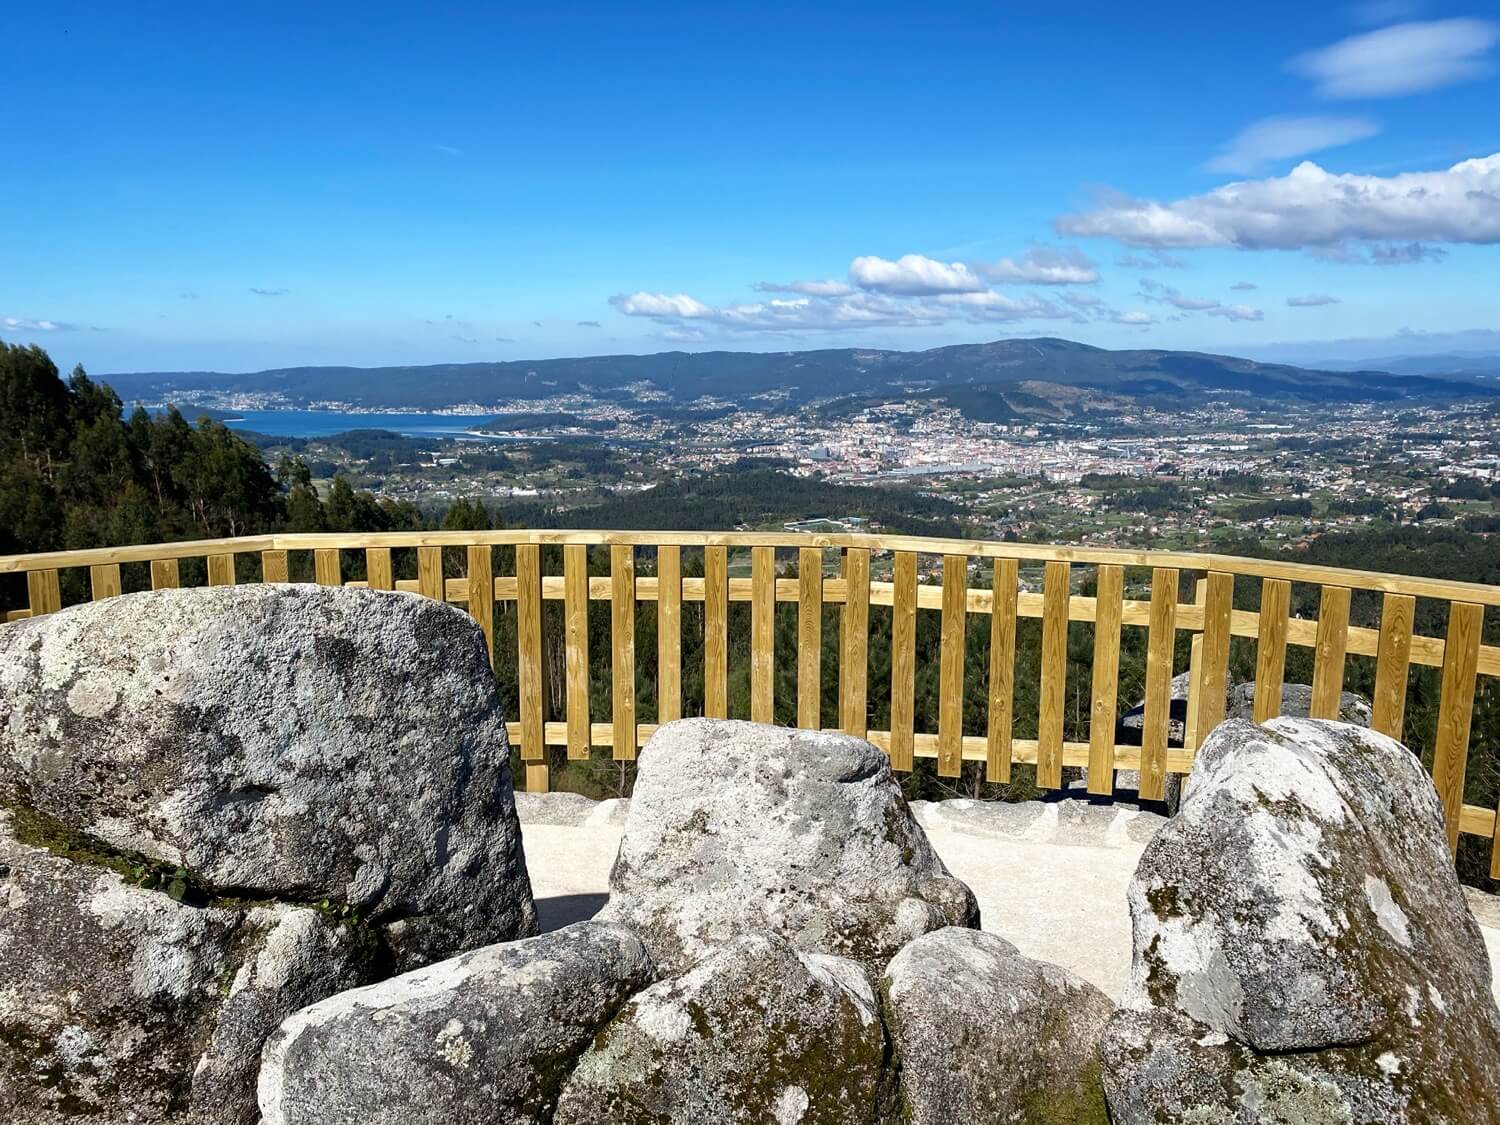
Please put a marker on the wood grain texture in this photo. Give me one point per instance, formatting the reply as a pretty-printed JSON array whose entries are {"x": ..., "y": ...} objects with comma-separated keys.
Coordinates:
[
  {"x": 1328, "y": 652},
  {"x": 378, "y": 571},
  {"x": 903, "y": 659},
  {"x": 809, "y": 638},
  {"x": 326, "y": 567},
  {"x": 1213, "y": 673},
  {"x": 480, "y": 582},
  {"x": 1456, "y": 710},
  {"x": 622, "y": 642},
  {"x": 763, "y": 635},
  {"x": 528, "y": 636},
  {"x": 951, "y": 666},
  {"x": 1005, "y": 588},
  {"x": 1160, "y": 640},
  {"x": 1397, "y": 615},
  {"x": 1049, "y": 722},
  {"x": 716, "y": 632},
  {"x": 854, "y": 656},
  {"x": 1270, "y": 647},
  {"x": 43, "y": 592},
  {"x": 1105, "y": 680},
  {"x": 430, "y": 572},
  {"x": 668, "y": 633},
  {"x": 221, "y": 570},
  {"x": 104, "y": 581},
  {"x": 576, "y": 642},
  {"x": 537, "y": 779},
  {"x": 166, "y": 576}
]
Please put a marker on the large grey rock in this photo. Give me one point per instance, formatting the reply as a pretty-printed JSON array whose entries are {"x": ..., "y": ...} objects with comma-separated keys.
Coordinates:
[
  {"x": 1299, "y": 933},
  {"x": 1296, "y": 703},
  {"x": 757, "y": 1032},
  {"x": 484, "y": 1037},
  {"x": 285, "y": 741},
  {"x": 119, "y": 1004},
  {"x": 738, "y": 828},
  {"x": 981, "y": 1033}
]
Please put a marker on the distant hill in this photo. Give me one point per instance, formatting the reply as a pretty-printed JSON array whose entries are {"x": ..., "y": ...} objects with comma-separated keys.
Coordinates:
[
  {"x": 1462, "y": 364},
  {"x": 807, "y": 375}
]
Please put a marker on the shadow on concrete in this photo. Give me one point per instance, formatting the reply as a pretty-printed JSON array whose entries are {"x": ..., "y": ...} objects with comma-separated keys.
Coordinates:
[{"x": 564, "y": 910}]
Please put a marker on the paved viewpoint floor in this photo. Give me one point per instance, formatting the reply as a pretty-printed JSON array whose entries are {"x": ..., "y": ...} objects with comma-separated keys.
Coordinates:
[{"x": 1050, "y": 877}]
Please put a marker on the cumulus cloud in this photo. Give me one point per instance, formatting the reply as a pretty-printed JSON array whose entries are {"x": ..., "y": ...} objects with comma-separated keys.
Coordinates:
[
  {"x": 1133, "y": 316},
  {"x": 806, "y": 288},
  {"x": 912, "y": 275},
  {"x": 1236, "y": 312},
  {"x": 1042, "y": 265},
  {"x": 1311, "y": 301},
  {"x": 1244, "y": 286},
  {"x": 1278, "y": 138},
  {"x": 1156, "y": 259},
  {"x": 1165, "y": 295},
  {"x": 1406, "y": 58},
  {"x": 269, "y": 292},
  {"x": 27, "y": 324},
  {"x": 1310, "y": 207}
]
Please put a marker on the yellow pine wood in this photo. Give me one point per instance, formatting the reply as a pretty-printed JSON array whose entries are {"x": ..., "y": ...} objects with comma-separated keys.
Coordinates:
[
  {"x": 104, "y": 581},
  {"x": 537, "y": 780},
  {"x": 903, "y": 659},
  {"x": 854, "y": 655},
  {"x": 763, "y": 635},
  {"x": 1270, "y": 647},
  {"x": 165, "y": 576},
  {"x": 716, "y": 632},
  {"x": 1158, "y": 712},
  {"x": 1005, "y": 583},
  {"x": 221, "y": 570},
  {"x": 1328, "y": 652},
  {"x": 43, "y": 592},
  {"x": 809, "y": 637},
  {"x": 528, "y": 634},
  {"x": 951, "y": 666},
  {"x": 668, "y": 593},
  {"x": 378, "y": 572},
  {"x": 1105, "y": 679},
  {"x": 1049, "y": 723},
  {"x": 1397, "y": 614},
  {"x": 274, "y": 567},
  {"x": 326, "y": 570},
  {"x": 622, "y": 638},
  {"x": 1456, "y": 710},
  {"x": 1213, "y": 675},
  {"x": 430, "y": 572},
  {"x": 576, "y": 612},
  {"x": 480, "y": 580}
]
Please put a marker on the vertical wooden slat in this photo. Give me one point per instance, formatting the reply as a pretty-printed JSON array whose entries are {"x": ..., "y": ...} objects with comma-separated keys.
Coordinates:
[
  {"x": 104, "y": 581},
  {"x": 43, "y": 592},
  {"x": 1456, "y": 710},
  {"x": 716, "y": 632},
  {"x": 903, "y": 659},
  {"x": 430, "y": 573},
  {"x": 1328, "y": 658},
  {"x": 165, "y": 576},
  {"x": 528, "y": 636},
  {"x": 576, "y": 611},
  {"x": 1397, "y": 614},
  {"x": 326, "y": 567},
  {"x": 622, "y": 643},
  {"x": 1005, "y": 585},
  {"x": 482, "y": 596},
  {"x": 1049, "y": 723},
  {"x": 1106, "y": 679},
  {"x": 1195, "y": 670},
  {"x": 951, "y": 667},
  {"x": 668, "y": 634},
  {"x": 221, "y": 570},
  {"x": 809, "y": 637},
  {"x": 763, "y": 634},
  {"x": 378, "y": 572},
  {"x": 1213, "y": 676},
  {"x": 854, "y": 657},
  {"x": 1160, "y": 638},
  {"x": 1270, "y": 647}
]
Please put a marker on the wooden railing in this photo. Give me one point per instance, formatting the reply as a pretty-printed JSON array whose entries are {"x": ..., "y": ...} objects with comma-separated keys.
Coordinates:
[{"x": 647, "y": 567}]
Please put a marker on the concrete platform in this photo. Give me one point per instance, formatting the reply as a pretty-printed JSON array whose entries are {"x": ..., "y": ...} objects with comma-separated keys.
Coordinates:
[{"x": 1049, "y": 876}]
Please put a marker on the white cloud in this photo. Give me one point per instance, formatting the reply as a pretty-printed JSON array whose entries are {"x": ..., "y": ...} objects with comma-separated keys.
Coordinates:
[
  {"x": 912, "y": 275},
  {"x": 801, "y": 313},
  {"x": 679, "y": 306},
  {"x": 269, "y": 292},
  {"x": 1166, "y": 295},
  {"x": 1133, "y": 316},
  {"x": 1278, "y": 138},
  {"x": 1311, "y": 301},
  {"x": 1311, "y": 207},
  {"x": 1042, "y": 265},
  {"x": 26, "y": 324},
  {"x": 1406, "y": 58},
  {"x": 1236, "y": 312},
  {"x": 807, "y": 288},
  {"x": 1157, "y": 259},
  {"x": 1244, "y": 286}
]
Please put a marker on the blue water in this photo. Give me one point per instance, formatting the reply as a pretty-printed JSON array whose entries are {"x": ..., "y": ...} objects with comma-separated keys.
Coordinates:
[{"x": 321, "y": 423}]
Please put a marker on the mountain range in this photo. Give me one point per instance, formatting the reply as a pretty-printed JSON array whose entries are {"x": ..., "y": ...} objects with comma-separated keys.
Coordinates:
[{"x": 1002, "y": 372}]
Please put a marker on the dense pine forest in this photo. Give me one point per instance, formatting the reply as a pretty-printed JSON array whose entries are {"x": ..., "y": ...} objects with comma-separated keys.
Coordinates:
[{"x": 79, "y": 470}]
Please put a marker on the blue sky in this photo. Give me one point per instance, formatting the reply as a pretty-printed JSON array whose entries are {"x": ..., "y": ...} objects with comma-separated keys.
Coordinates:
[{"x": 238, "y": 187}]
